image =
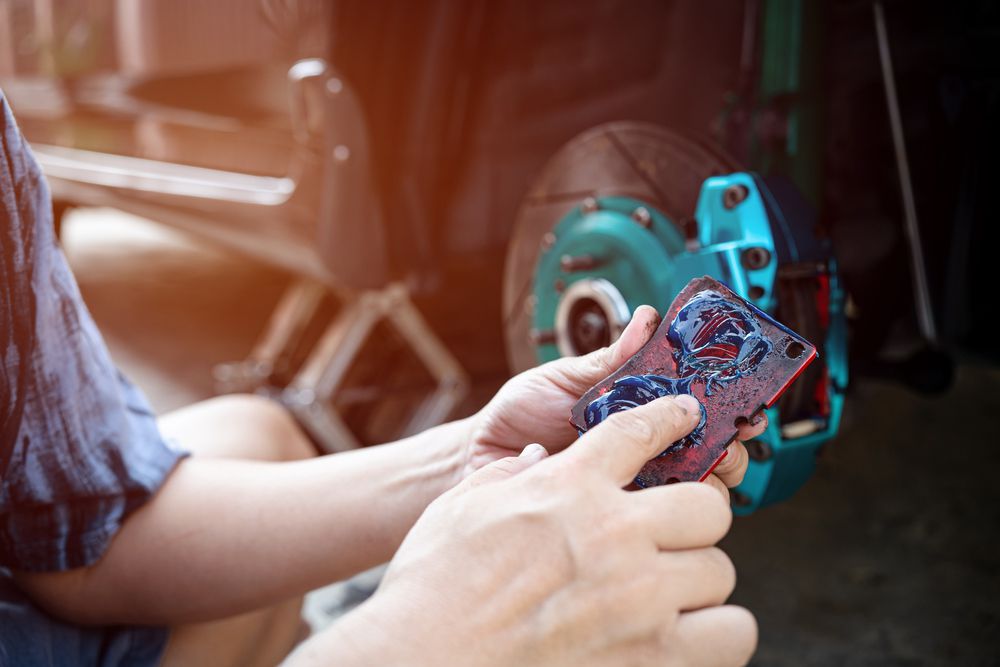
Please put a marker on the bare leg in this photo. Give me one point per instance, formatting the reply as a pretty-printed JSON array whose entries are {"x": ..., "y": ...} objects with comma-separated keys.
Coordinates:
[{"x": 247, "y": 427}]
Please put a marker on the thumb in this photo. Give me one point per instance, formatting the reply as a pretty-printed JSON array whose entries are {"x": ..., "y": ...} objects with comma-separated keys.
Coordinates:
[
  {"x": 578, "y": 374},
  {"x": 505, "y": 468}
]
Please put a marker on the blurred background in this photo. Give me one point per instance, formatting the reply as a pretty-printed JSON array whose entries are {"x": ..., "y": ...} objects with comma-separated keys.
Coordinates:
[{"x": 376, "y": 211}]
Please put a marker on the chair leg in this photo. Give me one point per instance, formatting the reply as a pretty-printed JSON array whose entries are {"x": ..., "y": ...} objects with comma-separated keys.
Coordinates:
[
  {"x": 288, "y": 321},
  {"x": 310, "y": 394}
]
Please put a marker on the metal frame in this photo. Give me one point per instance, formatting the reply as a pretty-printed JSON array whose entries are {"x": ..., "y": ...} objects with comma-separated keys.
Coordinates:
[{"x": 310, "y": 395}]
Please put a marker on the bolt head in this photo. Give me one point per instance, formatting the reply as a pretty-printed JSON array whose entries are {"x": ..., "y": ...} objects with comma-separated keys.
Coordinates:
[
  {"x": 589, "y": 205},
  {"x": 341, "y": 153},
  {"x": 734, "y": 195},
  {"x": 529, "y": 304},
  {"x": 642, "y": 216},
  {"x": 755, "y": 258},
  {"x": 548, "y": 241}
]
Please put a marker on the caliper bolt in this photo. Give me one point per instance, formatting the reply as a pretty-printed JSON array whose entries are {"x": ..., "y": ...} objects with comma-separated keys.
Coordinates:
[
  {"x": 643, "y": 217},
  {"x": 755, "y": 258},
  {"x": 734, "y": 195},
  {"x": 759, "y": 450}
]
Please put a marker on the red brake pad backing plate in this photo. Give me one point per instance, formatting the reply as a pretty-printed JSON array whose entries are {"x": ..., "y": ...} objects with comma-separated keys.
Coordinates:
[{"x": 731, "y": 356}]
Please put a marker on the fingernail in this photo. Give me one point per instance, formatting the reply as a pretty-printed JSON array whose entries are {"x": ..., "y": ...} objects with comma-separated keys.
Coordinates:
[
  {"x": 533, "y": 451},
  {"x": 690, "y": 405}
]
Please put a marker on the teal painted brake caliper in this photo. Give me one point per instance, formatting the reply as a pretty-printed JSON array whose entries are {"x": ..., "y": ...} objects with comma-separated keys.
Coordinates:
[{"x": 611, "y": 255}]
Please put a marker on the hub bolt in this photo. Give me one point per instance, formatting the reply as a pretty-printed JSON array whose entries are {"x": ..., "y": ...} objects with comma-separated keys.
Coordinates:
[
  {"x": 643, "y": 217},
  {"x": 544, "y": 337},
  {"x": 572, "y": 264}
]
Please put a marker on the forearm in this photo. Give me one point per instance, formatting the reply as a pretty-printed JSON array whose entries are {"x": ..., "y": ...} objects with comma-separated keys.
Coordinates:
[
  {"x": 371, "y": 635},
  {"x": 223, "y": 537}
]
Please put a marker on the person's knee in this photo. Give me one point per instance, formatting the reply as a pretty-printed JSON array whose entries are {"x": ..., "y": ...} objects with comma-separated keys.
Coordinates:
[
  {"x": 263, "y": 418},
  {"x": 264, "y": 637},
  {"x": 238, "y": 426}
]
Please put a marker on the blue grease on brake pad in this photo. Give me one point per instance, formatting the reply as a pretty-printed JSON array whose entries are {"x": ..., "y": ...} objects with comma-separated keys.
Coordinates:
[{"x": 717, "y": 347}]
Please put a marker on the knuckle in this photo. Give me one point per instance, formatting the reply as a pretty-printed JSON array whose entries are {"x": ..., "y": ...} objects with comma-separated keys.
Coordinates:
[
  {"x": 566, "y": 475},
  {"x": 625, "y": 523},
  {"x": 633, "y": 426},
  {"x": 602, "y": 359},
  {"x": 729, "y": 463},
  {"x": 720, "y": 489},
  {"x": 715, "y": 511},
  {"x": 596, "y": 363},
  {"x": 740, "y": 457},
  {"x": 653, "y": 652},
  {"x": 508, "y": 465},
  {"x": 735, "y": 460}
]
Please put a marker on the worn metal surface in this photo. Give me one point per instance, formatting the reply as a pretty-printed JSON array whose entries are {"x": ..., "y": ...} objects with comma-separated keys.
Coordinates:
[{"x": 711, "y": 344}]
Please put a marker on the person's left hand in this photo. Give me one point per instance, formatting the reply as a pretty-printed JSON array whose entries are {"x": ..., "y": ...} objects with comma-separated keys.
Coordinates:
[{"x": 534, "y": 406}]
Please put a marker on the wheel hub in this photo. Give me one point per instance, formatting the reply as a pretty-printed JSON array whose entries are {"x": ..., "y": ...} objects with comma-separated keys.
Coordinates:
[{"x": 591, "y": 314}]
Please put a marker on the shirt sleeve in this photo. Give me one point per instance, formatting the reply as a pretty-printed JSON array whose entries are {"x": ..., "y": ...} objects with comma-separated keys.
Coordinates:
[{"x": 79, "y": 444}]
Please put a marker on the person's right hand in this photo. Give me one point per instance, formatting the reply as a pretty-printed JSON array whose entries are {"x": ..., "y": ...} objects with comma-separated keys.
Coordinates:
[{"x": 547, "y": 561}]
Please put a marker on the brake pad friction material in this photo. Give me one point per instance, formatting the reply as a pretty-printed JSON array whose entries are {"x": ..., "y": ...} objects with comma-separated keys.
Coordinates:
[{"x": 730, "y": 355}]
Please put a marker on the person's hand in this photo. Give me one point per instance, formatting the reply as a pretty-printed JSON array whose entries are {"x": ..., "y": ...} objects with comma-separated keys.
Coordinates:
[
  {"x": 535, "y": 406},
  {"x": 546, "y": 561}
]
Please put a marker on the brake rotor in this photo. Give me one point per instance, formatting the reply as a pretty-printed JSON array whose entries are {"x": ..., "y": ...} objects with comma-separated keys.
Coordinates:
[{"x": 639, "y": 161}]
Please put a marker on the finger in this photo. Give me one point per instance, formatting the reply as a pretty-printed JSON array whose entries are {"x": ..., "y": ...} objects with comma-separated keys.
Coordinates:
[
  {"x": 719, "y": 486},
  {"x": 620, "y": 445},
  {"x": 688, "y": 515},
  {"x": 505, "y": 468},
  {"x": 578, "y": 374},
  {"x": 751, "y": 429},
  {"x": 696, "y": 578},
  {"x": 717, "y": 637},
  {"x": 733, "y": 466},
  {"x": 640, "y": 329}
]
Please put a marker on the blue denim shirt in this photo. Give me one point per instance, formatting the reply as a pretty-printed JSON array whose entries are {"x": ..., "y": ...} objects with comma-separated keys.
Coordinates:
[{"x": 79, "y": 445}]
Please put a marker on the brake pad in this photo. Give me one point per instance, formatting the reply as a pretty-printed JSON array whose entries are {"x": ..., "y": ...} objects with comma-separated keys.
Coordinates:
[{"x": 730, "y": 355}]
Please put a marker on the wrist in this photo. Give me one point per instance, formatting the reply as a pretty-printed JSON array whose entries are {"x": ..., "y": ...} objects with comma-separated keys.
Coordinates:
[
  {"x": 444, "y": 453},
  {"x": 380, "y": 631}
]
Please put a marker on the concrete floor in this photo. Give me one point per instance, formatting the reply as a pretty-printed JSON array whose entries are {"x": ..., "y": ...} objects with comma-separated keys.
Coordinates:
[{"x": 887, "y": 557}]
